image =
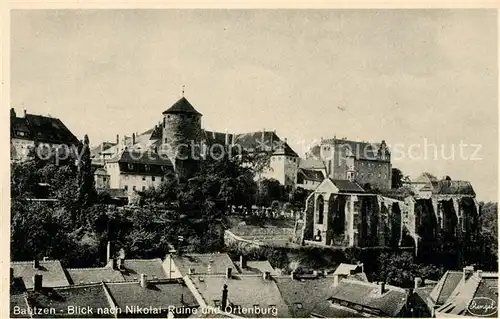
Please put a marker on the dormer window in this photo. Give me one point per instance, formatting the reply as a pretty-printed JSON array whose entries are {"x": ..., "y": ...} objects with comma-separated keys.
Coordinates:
[
  {"x": 146, "y": 167},
  {"x": 130, "y": 166}
]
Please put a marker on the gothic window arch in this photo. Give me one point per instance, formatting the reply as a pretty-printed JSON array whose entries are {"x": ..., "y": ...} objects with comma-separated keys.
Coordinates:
[{"x": 320, "y": 205}]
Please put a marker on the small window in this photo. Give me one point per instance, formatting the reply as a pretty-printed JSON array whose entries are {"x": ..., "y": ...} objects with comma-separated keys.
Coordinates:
[
  {"x": 133, "y": 188},
  {"x": 217, "y": 303},
  {"x": 130, "y": 166},
  {"x": 153, "y": 178},
  {"x": 144, "y": 178},
  {"x": 126, "y": 187},
  {"x": 146, "y": 167}
]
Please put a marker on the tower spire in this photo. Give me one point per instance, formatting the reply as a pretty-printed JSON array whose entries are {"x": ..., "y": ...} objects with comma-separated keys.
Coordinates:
[{"x": 183, "y": 87}]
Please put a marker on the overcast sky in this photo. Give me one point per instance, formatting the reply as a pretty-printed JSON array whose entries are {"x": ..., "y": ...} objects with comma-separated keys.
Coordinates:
[{"x": 398, "y": 75}]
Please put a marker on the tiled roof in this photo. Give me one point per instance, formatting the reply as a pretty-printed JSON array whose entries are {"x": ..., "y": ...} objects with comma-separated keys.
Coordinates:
[
  {"x": 159, "y": 295},
  {"x": 52, "y": 271},
  {"x": 136, "y": 157},
  {"x": 212, "y": 138},
  {"x": 360, "y": 150},
  {"x": 257, "y": 267},
  {"x": 346, "y": 269},
  {"x": 264, "y": 141},
  {"x": 367, "y": 294},
  {"x": 182, "y": 106},
  {"x": 265, "y": 292},
  {"x": 49, "y": 130},
  {"x": 94, "y": 275},
  {"x": 346, "y": 186},
  {"x": 311, "y": 175},
  {"x": 445, "y": 286},
  {"x": 446, "y": 187},
  {"x": 60, "y": 299},
  {"x": 484, "y": 286},
  {"x": 96, "y": 151},
  {"x": 153, "y": 268},
  {"x": 199, "y": 262},
  {"x": 311, "y": 163},
  {"x": 301, "y": 296}
]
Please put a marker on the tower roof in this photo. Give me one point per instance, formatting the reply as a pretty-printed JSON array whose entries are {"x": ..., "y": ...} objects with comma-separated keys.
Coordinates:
[{"x": 182, "y": 106}]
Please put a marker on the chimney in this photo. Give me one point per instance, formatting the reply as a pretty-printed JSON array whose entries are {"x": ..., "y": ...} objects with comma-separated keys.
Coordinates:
[
  {"x": 263, "y": 139},
  {"x": 143, "y": 281},
  {"x": 479, "y": 273},
  {"x": 117, "y": 139},
  {"x": 467, "y": 272},
  {"x": 223, "y": 303},
  {"x": 133, "y": 138},
  {"x": 25, "y": 113},
  {"x": 108, "y": 252},
  {"x": 37, "y": 282},
  {"x": 243, "y": 262},
  {"x": 36, "y": 264},
  {"x": 191, "y": 271},
  {"x": 266, "y": 275},
  {"x": 315, "y": 273},
  {"x": 382, "y": 287},
  {"x": 418, "y": 282},
  {"x": 12, "y": 112},
  {"x": 325, "y": 272},
  {"x": 226, "y": 141},
  {"x": 292, "y": 275},
  {"x": 229, "y": 272}
]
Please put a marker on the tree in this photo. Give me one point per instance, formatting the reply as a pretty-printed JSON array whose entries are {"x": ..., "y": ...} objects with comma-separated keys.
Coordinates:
[
  {"x": 397, "y": 178},
  {"x": 86, "y": 187},
  {"x": 270, "y": 189}
]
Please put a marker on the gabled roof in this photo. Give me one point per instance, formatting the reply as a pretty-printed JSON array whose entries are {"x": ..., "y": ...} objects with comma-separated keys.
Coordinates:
[
  {"x": 246, "y": 291},
  {"x": 159, "y": 295},
  {"x": 137, "y": 157},
  {"x": 60, "y": 299},
  {"x": 50, "y": 130},
  {"x": 347, "y": 269},
  {"x": 51, "y": 270},
  {"x": 96, "y": 151},
  {"x": 153, "y": 268},
  {"x": 445, "y": 286},
  {"x": 80, "y": 276},
  {"x": 182, "y": 106},
  {"x": 346, "y": 186},
  {"x": 360, "y": 150},
  {"x": 311, "y": 175},
  {"x": 200, "y": 262},
  {"x": 264, "y": 141},
  {"x": 368, "y": 294},
  {"x": 478, "y": 286},
  {"x": 302, "y": 296},
  {"x": 257, "y": 267}
]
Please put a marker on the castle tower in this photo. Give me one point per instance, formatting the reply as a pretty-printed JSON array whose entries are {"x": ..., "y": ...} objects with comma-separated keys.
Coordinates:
[{"x": 182, "y": 136}]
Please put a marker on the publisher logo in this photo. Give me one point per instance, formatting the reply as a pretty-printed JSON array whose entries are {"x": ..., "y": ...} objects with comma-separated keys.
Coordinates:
[{"x": 482, "y": 307}]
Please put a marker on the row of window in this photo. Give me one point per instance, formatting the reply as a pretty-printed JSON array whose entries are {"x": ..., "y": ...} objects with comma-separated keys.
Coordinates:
[
  {"x": 144, "y": 178},
  {"x": 134, "y": 188},
  {"x": 278, "y": 158}
]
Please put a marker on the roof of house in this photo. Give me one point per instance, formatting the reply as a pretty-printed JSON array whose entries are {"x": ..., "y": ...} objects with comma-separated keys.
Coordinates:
[
  {"x": 478, "y": 286},
  {"x": 445, "y": 286},
  {"x": 266, "y": 293},
  {"x": 159, "y": 295},
  {"x": 311, "y": 175},
  {"x": 138, "y": 157},
  {"x": 360, "y": 150},
  {"x": 346, "y": 269},
  {"x": 200, "y": 262},
  {"x": 97, "y": 150},
  {"x": 60, "y": 299},
  {"x": 182, "y": 106},
  {"x": 93, "y": 275},
  {"x": 51, "y": 270},
  {"x": 100, "y": 171},
  {"x": 368, "y": 294},
  {"x": 426, "y": 177},
  {"x": 264, "y": 141},
  {"x": 257, "y": 267},
  {"x": 311, "y": 163},
  {"x": 303, "y": 295},
  {"x": 447, "y": 187},
  {"x": 346, "y": 186},
  {"x": 152, "y": 268},
  {"x": 42, "y": 129}
]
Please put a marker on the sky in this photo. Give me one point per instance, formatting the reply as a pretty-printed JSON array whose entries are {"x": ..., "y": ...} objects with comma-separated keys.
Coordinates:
[{"x": 414, "y": 78}]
